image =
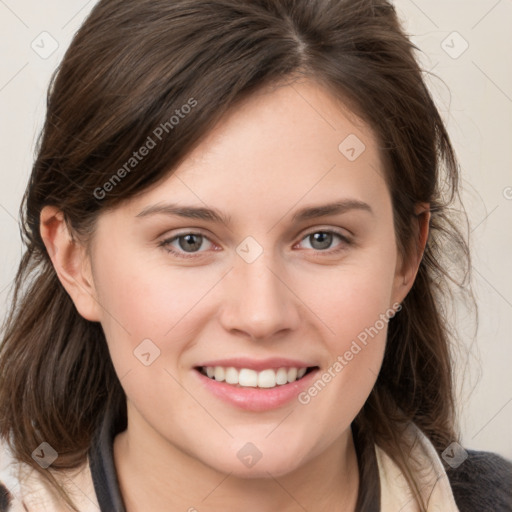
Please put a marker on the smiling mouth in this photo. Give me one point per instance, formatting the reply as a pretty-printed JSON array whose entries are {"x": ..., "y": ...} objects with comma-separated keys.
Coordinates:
[{"x": 247, "y": 378}]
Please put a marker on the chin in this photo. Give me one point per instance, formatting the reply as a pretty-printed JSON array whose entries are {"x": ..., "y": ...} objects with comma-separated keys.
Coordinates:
[{"x": 248, "y": 463}]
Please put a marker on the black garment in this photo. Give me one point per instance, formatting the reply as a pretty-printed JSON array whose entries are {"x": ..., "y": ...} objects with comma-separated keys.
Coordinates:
[
  {"x": 101, "y": 462},
  {"x": 482, "y": 483}
]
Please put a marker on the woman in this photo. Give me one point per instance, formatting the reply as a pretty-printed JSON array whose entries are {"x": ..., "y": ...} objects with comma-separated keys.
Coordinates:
[{"x": 232, "y": 294}]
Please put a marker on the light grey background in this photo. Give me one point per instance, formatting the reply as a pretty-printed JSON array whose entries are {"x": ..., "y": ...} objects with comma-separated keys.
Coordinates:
[{"x": 466, "y": 43}]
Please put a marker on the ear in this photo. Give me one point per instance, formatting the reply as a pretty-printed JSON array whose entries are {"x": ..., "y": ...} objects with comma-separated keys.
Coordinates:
[
  {"x": 407, "y": 267},
  {"x": 71, "y": 262}
]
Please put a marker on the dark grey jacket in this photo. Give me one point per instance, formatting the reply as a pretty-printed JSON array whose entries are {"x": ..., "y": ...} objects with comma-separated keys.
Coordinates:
[{"x": 482, "y": 483}]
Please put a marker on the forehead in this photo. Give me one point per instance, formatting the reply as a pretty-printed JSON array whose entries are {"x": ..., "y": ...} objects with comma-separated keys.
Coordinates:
[{"x": 282, "y": 146}]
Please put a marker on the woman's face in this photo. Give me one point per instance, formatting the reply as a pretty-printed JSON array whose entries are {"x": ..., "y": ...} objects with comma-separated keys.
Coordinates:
[{"x": 279, "y": 285}]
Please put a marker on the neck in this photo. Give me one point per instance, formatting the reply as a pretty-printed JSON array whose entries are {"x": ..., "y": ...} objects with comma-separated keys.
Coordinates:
[{"x": 155, "y": 475}]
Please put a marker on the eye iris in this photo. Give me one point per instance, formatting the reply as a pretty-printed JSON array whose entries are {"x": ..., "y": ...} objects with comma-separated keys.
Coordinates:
[
  {"x": 190, "y": 245},
  {"x": 324, "y": 238},
  {"x": 192, "y": 242}
]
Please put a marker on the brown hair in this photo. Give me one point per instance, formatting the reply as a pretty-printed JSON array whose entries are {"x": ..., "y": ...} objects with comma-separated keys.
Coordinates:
[{"x": 130, "y": 67}]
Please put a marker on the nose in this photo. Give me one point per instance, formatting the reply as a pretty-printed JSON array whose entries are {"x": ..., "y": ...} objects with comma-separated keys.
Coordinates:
[{"x": 258, "y": 301}]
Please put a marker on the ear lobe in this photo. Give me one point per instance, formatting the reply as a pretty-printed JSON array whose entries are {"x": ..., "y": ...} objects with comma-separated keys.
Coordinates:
[
  {"x": 407, "y": 268},
  {"x": 71, "y": 262}
]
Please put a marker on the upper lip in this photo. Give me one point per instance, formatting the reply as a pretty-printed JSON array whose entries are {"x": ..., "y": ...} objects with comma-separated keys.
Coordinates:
[{"x": 257, "y": 364}]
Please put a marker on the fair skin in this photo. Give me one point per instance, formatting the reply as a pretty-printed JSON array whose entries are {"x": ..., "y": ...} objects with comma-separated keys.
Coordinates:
[{"x": 301, "y": 300}]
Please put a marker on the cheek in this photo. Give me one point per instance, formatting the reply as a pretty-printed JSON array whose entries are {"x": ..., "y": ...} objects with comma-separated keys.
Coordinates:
[
  {"x": 355, "y": 309},
  {"x": 151, "y": 314},
  {"x": 147, "y": 298},
  {"x": 356, "y": 296},
  {"x": 360, "y": 326},
  {"x": 141, "y": 300}
]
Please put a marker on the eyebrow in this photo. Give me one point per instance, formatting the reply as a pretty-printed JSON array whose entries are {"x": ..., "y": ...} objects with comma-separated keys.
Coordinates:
[{"x": 214, "y": 215}]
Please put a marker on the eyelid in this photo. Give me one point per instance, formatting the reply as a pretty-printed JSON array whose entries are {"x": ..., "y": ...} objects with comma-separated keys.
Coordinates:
[
  {"x": 306, "y": 232},
  {"x": 328, "y": 229},
  {"x": 166, "y": 242},
  {"x": 345, "y": 240}
]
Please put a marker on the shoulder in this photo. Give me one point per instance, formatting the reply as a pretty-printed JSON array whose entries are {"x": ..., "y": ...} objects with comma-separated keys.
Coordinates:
[
  {"x": 6, "y": 498},
  {"x": 10, "y": 483},
  {"x": 482, "y": 482},
  {"x": 23, "y": 489}
]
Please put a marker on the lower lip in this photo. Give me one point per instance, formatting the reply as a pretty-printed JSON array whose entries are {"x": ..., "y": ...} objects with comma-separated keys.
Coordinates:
[{"x": 256, "y": 399}]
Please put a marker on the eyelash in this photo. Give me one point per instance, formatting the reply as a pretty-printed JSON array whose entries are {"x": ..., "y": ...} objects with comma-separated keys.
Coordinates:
[{"x": 165, "y": 244}]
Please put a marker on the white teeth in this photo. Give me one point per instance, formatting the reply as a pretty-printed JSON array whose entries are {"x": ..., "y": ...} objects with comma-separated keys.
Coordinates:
[
  {"x": 219, "y": 373},
  {"x": 267, "y": 379},
  {"x": 247, "y": 378},
  {"x": 282, "y": 376},
  {"x": 250, "y": 378},
  {"x": 292, "y": 374},
  {"x": 301, "y": 373},
  {"x": 231, "y": 376}
]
